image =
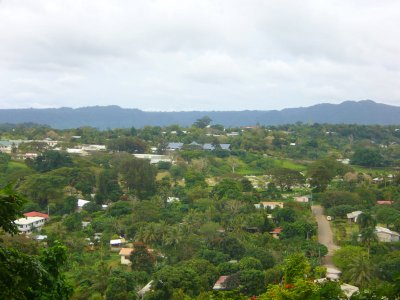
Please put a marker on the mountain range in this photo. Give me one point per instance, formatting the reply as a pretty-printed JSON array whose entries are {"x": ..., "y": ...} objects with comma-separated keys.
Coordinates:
[{"x": 348, "y": 112}]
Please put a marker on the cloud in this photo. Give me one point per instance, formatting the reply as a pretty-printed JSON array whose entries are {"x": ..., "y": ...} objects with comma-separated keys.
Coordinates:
[{"x": 192, "y": 54}]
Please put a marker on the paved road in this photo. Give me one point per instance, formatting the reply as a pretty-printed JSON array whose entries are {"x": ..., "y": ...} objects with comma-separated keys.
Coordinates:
[{"x": 325, "y": 235}]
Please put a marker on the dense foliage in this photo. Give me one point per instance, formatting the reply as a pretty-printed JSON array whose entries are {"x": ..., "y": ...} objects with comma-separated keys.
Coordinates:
[{"x": 194, "y": 216}]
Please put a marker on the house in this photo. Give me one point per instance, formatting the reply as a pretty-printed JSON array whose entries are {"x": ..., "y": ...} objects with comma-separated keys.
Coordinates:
[
  {"x": 77, "y": 151},
  {"x": 209, "y": 147},
  {"x": 36, "y": 214},
  {"x": 352, "y": 217},
  {"x": 93, "y": 147},
  {"x": 28, "y": 224},
  {"x": 194, "y": 145},
  {"x": 220, "y": 283},
  {"x": 349, "y": 290},
  {"x": 276, "y": 232},
  {"x": 345, "y": 161},
  {"x": 174, "y": 146},
  {"x": 125, "y": 253},
  {"x": 386, "y": 235},
  {"x": 29, "y": 155},
  {"x": 271, "y": 205},
  {"x": 40, "y": 238},
  {"x": 117, "y": 244},
  {"x": 212, "y": 147},
  {"x": 384, "y": 202},
  {"x": 85, "y": 224},
  {"x": 333, "y": 273},
  {"x": 302, "y": 199},
  {"x": 234, "y": 133},
  {"x": 173, "y": 199},
  {"x": 154, "y": 158},
  {"x": 81, "y": 203},
  {"x": 145, "y": 289}
]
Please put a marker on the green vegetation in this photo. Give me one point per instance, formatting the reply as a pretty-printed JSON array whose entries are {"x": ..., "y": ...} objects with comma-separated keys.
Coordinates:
[{"x": 194, "y": 216}]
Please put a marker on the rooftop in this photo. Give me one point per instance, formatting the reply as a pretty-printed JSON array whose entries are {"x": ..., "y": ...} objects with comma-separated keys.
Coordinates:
[{"x": 28, "y": 220}]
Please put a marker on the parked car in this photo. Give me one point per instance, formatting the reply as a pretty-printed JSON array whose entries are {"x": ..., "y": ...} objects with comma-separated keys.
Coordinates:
[{"x": 329, "y": 218}]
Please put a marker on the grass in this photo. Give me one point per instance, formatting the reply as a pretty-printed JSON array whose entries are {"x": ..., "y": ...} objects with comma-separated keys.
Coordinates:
[
  {"x": 14, "y": 165},
  {"x": 343, "y": 230},
  {"x": 289, "y": 164}
]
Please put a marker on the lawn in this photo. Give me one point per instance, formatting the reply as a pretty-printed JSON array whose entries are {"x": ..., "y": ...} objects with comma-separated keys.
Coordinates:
[{"x": 343, "y": 230}]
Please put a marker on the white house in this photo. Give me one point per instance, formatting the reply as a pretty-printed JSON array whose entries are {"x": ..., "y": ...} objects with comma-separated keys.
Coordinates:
[
  {"x": 28, "y": 224},
  {"x": 81, "y": 203},
  {"x": 386, "y": 235},
  {"x": 271, "y": 205},
  {"x": 302, "y": 199},
  {"x": 172, "y": 199},
  {"x": 154, "y": 158},
  {"x": 352, "y": 217},
  {"x": 145, "y": 289}
]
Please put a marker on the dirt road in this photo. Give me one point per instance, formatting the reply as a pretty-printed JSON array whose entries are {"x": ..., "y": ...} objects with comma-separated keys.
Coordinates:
[{"x": 325, "y": 235}]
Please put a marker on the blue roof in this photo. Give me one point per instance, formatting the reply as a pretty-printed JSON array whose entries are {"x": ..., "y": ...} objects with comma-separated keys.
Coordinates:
[{"x": 175, "y": 145}]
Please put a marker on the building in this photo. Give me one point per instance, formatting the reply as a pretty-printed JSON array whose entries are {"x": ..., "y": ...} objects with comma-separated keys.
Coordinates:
[
  {"x": 172, "y": 199},
  {"x": 352, "y": 217},
  {"x": 276, "y": 232},
  {"x": 349, "y": 290},
  {"x": 302, "y": 199},
  {"x": 125, "y": 254},
  {"x": 174, "y": 146},
  {"x": 386, "y": 235},
  {"x": 29, "y": 224},
  {"x": 154, "y": 158},
  {"x": 271, "y": 205},
  {"x": 117, "y": 244},
  {"x": 220, "y": 283},
  {"x": 145, "y": 289},
  {"x": 36, "y": 214},
  {"x": 384, "y": 202},
  {"x": 81, "y": 203}
]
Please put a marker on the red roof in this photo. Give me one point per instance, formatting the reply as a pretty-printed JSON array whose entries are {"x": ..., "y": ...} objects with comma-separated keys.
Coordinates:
[
  {"x": 221, "y": 279},
  {"x": 36, "y": 214},
  {"x": 276, "y": 230},
  {"x": 384, "y": 202}
]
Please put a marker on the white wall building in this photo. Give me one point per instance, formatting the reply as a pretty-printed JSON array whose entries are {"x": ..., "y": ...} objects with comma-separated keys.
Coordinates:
[{"x": 28, "y": 224}]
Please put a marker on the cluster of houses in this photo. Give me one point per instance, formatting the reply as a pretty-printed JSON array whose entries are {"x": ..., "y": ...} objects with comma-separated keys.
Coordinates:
[
  {"x": 196, "y": 146},
  {"x": 383, "y": 234}
]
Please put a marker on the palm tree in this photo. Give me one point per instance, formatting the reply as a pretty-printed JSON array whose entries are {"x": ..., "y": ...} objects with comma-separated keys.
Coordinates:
[
  {"x": 368, "y": 236},
  {"x": 366, "y": 220},
  {"x": 359, "y": 271}
]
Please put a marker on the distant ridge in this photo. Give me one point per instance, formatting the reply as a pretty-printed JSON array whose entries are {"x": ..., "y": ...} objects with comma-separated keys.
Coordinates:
[{"x": 349, "y": 112}]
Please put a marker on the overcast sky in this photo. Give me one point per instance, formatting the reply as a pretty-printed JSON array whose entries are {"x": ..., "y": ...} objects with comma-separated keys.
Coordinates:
[{"x": 198, "y": 55}]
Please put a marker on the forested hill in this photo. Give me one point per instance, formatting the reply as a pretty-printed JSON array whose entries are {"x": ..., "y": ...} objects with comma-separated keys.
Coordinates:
[{"x": 102, "y": 117}]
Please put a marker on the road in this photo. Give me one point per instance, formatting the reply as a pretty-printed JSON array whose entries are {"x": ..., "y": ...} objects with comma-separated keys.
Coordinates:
[{"x": 325, "y": 235}]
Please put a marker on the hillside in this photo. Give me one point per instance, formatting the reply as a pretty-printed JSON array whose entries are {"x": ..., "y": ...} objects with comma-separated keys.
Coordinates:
[{"x": 349, "y": 112}]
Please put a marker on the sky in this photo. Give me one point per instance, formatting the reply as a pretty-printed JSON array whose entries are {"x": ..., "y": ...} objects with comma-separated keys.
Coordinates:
[{"x": 171, "y": 55}]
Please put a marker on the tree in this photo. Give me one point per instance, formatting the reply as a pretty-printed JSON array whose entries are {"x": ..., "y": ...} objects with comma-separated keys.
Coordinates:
[
  {"x": 128, "y": 144},
  {"x": 202, "y": 122},
  {"x": 141, "y": 259},
  {"x": 367, "y": 157},
  {"x": 139, "y": 175},
  {"x": 227, "y": 188},
  {"x": 359, "y": 271},
  {"x": 10, "y": 208},
  {"x": 287, "y": 178},
  {"x": 50, "y": 160},
  {"x": 23, "y": 276},
  {"x": 42, "y": 188},
  {"x": 233, "y": 247}
]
